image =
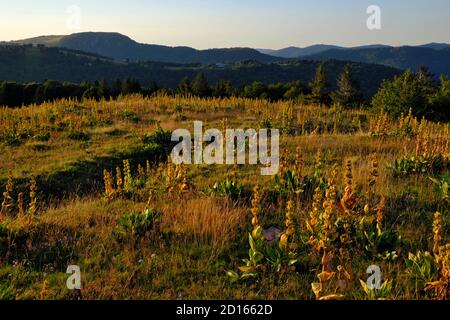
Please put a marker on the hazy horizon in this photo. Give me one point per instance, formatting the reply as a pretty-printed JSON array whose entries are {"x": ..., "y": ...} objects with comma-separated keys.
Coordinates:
[
  {"x": 258, "y": 48},
  {"x": 206, "y": 24}
]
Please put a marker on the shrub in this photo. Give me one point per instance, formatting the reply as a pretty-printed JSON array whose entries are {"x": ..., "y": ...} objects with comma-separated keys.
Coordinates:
[
  {"x": 78, "y": 135},
  {"x": 131, "y": 116},
  {"x": 422, "y": 267},
  {"x": 43, "y": 137},
  {"x": 416, "y": 91},
  {"x": 136, "y": 224},
  {"x": 159, "y": 137},
  {"x": 3, "y": 238},
  {"x": 11, "y": 139},
  {"x": 442, "y": 184},
  {"x": 417, "y": 165},
  {"x": 229, "y": 188},
  {"x": 398, "y": 95}
]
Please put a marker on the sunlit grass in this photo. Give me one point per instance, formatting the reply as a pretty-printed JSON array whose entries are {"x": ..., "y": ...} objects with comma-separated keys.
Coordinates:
[{"x": 201, "y": 233}]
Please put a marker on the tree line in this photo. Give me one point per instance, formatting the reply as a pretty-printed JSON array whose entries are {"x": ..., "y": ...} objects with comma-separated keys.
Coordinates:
[
  {"x": 13, "y": 94},
  {"x": 416, "y": 91}
]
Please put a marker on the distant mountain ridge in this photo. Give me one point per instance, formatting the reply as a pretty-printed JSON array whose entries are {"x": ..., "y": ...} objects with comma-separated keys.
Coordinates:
[
  {"x": 121, "y": 47},
  {"x": 29, "y": 63},
  {"x": 436, "y": 46},
  {"x": 297, "y": 52},
  {"x": 437, "y": 61},
  {"x": 436, "y": 56}
]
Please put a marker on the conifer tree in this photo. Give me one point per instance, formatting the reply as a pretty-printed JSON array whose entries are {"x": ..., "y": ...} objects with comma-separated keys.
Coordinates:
[
  {"x": 184, "y": 88},
  {"x": 320, "y": 86},
  {"x": 200, "y": 86},
  {"x": 347, "y": 93}
]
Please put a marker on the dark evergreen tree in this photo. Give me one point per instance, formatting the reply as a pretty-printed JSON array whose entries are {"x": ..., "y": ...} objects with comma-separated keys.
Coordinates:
[
  {"x": 320, "y": 86},
  {"x": 440, "y": 101},
  {"x": 51, "y": 90},
  {"x": 347, "y": 93},
  {"x": 294, "y": 90},
  {"x": 130, "y": 86},
  {"x": 184, "y": 88},
  {"x": 276, "y": 91},
  {"x": 29, "y": 93},
  {"x": 399, "y": 95},
  {"x": 152, "y": 89},
  {"x": 92, "y": 92},
  {"x": 200, "y": 86},
  {"x": 103, "y": 89},
  {"x": 116, "y": 88},
  {"x": 11, "y": 94},
  {"x": 223, "y": 89},
  {"x": 134, "y": 86},
  {"x": 426, "y": 80},
  {"x": 256, "y": 90}
]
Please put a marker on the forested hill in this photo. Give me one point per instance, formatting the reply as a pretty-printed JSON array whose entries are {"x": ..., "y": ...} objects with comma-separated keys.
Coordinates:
[
  {"x": 436, "y": 58},
  {"x": 31, "y": 63},
  {"x": 120, "y": 47}
]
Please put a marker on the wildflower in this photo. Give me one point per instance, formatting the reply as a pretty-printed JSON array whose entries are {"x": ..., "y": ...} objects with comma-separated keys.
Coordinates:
[
  {"x": 315, "y": 212},
  {"x": 380, "y": 214},
  {"x": 349, "y": 199},
  {"x": 148, "y": 170},
  {"x": 128, "y": 180},
  {"x": 371, "y": 181},
  {"x": 109, "y": 185},
  {"x": 289, "y": 223},
  {"x": 284, "y": 167},
  {"x": 330, "y": 199},
  {"x": 119, "y": 180},
  {"x": 182, "y": 178},
  {"x": 437, "y": 229},
  {"x": 298, "y": 164},
  {"x": 20, "y": 205},
  {"x": 255, "y": 210},
  {"x": 44, "y": 290},
  {"x": 7, "y": 196},
  {"x": 318, "y": 164},
  {"x": 33, "y": 199},
  {"x": 141, "y": 172},
  {"x": 170, "y": 177}
]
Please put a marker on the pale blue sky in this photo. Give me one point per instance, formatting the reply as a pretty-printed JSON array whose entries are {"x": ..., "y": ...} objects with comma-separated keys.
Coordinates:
[{"x": 229, "y": 23}]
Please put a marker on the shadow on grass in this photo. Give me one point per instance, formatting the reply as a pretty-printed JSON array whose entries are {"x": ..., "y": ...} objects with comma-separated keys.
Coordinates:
[{"x": 86, "y": 177}]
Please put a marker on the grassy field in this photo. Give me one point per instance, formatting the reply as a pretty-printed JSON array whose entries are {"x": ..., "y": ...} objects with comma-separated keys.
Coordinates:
[{"x": 89, "y": 183}]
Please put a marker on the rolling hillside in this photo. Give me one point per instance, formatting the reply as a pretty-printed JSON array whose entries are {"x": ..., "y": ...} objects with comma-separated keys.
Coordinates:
[
  {"x": 296, "y": 52},
  {"x": 31, "y": 63},
  {"x": 436, "y": 56},
  {"x": 438, "y": 61},
  {"x": 120, "y": 47}
]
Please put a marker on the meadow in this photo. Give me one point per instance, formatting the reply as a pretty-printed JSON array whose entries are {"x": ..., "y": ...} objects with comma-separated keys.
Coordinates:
[{"x": 90, "y": 183}]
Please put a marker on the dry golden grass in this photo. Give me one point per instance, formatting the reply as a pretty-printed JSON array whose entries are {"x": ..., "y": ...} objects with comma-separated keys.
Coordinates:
[
  {"x": 200, "y": 234},
  {"x": 204, "y": 221}
]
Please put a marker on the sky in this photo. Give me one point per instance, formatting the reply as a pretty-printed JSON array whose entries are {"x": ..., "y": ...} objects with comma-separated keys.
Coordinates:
[{"x": 232, "y": 23}]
